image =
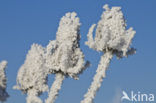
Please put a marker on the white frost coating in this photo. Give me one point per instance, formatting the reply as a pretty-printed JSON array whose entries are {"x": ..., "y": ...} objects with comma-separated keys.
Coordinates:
[
  {"x": 63, "y": 56},
  {"x": 98, "y": 78},
  {"x": 3, "y": 79},
  {"x": 33, "y": 97},
  {"x": 56, "y": 86},
  {"x": 111, "y": 38},
  {"x": 111, "y": 32},
  {"x": 64, "y": 53},
  {"x": 32, "y": 76}
]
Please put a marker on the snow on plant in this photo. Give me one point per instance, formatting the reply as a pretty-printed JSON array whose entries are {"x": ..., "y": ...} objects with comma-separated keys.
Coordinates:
[
  {"x": 112, "y": 38},
  {"x": 64, "y": 57},
  {"x": 3, "y": 79},
  {"x": 32, "y": 76}
]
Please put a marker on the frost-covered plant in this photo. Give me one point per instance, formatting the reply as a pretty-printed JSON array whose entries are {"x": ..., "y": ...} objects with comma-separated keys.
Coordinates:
[
  {"x": 32, "y": 76},
  {"x": 64, "y": 57},
  {"x": 3, "y": 94},
  {"x": 112, "y": 38}
]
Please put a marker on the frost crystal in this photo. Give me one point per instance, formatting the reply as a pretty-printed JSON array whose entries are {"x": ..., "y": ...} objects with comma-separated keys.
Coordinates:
[
  {"x": 32, "y": 76},
  {"x": 64, "y": 54},
  {"x": 3, "y": 93},
  {"x": 111, "y": 33},
  {"x": 111, "y": 38},
  {"x": 64, "y": 57}
]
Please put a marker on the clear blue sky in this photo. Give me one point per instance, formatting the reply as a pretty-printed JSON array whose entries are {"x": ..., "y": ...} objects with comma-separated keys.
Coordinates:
[{"x": 23, "y": 22}]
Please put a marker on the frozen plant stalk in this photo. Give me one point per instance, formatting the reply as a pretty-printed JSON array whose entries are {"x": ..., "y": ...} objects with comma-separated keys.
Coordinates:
[
  {"x": 112, "y": 38},
  {"x": 64, "y": 57},
  {"x": 32, "y": 76},
  {"x": 3, "y": 79}
]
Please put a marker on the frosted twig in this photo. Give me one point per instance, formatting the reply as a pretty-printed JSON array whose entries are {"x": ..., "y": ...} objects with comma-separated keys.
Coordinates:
[
  {"x": 56, "y": 86},
  {"x": 112, "y": 38}
]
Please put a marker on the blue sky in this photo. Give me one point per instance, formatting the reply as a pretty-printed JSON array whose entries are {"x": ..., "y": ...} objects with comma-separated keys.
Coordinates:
[{"x": 23, "y": 22}]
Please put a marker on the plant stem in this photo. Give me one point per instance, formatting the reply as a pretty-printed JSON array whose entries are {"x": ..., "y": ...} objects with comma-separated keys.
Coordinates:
[
  {"x": 55, "y": 88},
  {"x": 98, "y": 78}
]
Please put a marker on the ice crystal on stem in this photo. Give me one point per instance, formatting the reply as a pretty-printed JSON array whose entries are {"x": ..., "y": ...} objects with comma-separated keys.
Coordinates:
[{"x": 112, "y": 38}]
